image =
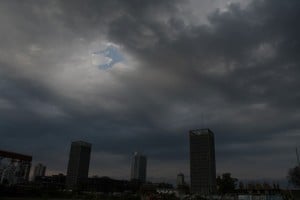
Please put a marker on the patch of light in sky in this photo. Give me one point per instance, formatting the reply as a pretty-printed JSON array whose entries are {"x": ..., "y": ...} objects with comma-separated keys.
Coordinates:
[{"x": 106, "y": 58}]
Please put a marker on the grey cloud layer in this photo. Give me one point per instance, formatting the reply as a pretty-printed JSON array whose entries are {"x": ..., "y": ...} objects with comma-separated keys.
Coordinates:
[{"x": 236, "y": 74}]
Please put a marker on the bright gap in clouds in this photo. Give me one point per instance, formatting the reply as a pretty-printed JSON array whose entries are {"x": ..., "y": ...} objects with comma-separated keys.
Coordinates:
[{"x": 107, "y": 57}]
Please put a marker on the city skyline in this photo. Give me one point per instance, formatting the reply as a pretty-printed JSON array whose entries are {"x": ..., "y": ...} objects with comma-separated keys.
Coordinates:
[
  {"x": 138, "y": 167},
  {"x": 136, "y": 75}
]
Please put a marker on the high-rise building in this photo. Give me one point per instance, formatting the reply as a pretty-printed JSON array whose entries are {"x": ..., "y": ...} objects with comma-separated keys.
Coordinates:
[
  {"x": 39, "y": 170},
  {"x": 180, "y": 179},
  {"x": 202, "y": 161},
  {"x": 78, "y": 166},
  {"x": 139, "y": 167}
]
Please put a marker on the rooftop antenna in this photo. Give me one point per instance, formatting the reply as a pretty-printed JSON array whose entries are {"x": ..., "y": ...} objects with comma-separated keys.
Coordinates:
[
  {"x": 203, "y": 122},
  {"x": 297, "y": 154}
]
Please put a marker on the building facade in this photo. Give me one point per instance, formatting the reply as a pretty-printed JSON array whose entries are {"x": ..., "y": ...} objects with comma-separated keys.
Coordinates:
[
  {"x": 39, "y": 170},
  {"x": 202, "y": 161},
  {"x": 14, "y": 167},
  {"x": 79, "y": 162},
  {"x": 139, "y": 167},
  {"x": 180, "y": 179}
]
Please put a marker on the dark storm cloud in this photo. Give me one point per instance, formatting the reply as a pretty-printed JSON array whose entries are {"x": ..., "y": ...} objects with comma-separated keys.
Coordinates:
[
  {"x": 237, "y": 74},
  {"x": 242, "y": 45}
]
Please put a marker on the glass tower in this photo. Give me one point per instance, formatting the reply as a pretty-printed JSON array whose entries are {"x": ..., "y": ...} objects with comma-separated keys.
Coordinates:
[
  {"x": 202, "y": 162},
  {"x": 78, "y": 166}
]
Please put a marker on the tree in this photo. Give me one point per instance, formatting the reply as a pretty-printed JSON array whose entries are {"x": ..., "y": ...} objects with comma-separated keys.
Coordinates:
[
  {"x": 294, "y": 176},
  {"x": 226, "y": 184}
]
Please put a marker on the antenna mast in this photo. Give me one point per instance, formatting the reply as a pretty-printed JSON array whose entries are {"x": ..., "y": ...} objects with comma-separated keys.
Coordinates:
[{"x": 297, "y": 154}]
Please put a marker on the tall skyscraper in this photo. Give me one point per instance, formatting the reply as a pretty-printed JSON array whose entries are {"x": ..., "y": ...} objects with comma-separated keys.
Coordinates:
[
  {"x": 139, "y": 167},
  {"x": 39, "y": 170},
  {"x": 78, "y": 166},
  {"x": 202, "y": 161}
]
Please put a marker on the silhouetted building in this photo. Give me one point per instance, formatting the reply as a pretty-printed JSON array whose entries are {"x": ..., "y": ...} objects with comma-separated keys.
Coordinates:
[
  {"x": 14, "y": 167},
  {"x": 78, "y": 166},
  {"x": 39, "y": 170},
  {"x": 202, "y": 161},
  {"x": 139, "y": 167},
  {"x": 105, "y": 185},
  {"x": 51, "y": 182},
  {"x": 180, "y": 179},
  {"x": 59, "y": 180}
]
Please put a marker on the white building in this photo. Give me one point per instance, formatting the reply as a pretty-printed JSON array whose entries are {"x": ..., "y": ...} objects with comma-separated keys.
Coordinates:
[
  {"x": 39, "y": 170},
  {"x": 180, "y": 179},
  {"x": 139, "y": 167}
]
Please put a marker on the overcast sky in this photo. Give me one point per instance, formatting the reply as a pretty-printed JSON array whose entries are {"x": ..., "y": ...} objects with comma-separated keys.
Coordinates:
[{"x": 138, "y": 75}]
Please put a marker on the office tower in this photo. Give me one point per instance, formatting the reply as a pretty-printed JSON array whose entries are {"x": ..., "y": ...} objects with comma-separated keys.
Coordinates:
[
  {"x": 39, "y": 170},
  {"x": 180, "y": 179},
  {"x": 138, "y": 167},
  {"x": 78, "y": 166},
  {"x": 202, "y": 161}
]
